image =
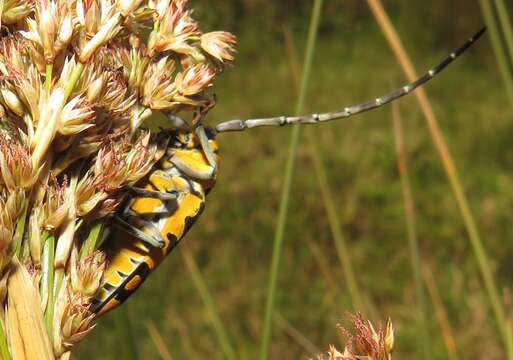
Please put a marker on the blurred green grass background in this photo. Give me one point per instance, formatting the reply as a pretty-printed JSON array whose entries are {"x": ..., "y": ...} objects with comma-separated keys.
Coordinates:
[{"x": 232, "y": 241}]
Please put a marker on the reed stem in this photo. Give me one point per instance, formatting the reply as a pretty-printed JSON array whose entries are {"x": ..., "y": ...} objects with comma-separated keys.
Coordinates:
[
  {"x": 440, "y": 313},
  {"x": 505, "y": 23},
  {"x": 4, "y": 348},
  {"x": 411, "y": 228},
  {"x": 500, "y": 54},
  {"x": 48, "y": 281},
  {"x": 287, "y": 185},
  {"x": 210, "y": 305},
  {"x": 75, "y": 76},
  {"x": 158, "y": 341},
  {"x": 92, "y": 239},
  {"x": 48, "y": 77}
]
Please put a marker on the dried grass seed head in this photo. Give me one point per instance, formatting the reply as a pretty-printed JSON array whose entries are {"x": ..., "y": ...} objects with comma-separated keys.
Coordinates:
[
  {"x": 220, "y": 45},
  {"x": 73, "y": 319},
  {"x": 57, "y": 204},
  {"x": 177, "y": 31},
  {"x": 87, "y": 274},
  {"x": 51, "y": 28},
  {"x": 15, "y": 11},
  {"x": 17, "y": 172}
]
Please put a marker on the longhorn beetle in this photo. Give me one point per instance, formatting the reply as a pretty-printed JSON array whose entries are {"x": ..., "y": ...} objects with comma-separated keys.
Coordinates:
[{"x": 160, "y": 211}]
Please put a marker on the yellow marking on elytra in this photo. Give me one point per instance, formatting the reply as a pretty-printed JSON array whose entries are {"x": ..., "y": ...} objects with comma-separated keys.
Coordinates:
[
  {"x": 193, "y": 158},
  {"x": 121, "y": 263},
  {"x": 175, "y": 224},
  {"x": 146, "y": 205},
  {"x": 133, "y": 283},
  {"x": 110, "y": 305}
]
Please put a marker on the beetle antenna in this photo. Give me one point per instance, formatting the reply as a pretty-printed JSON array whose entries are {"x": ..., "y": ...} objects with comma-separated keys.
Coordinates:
[{"x": 241, "y": 125}]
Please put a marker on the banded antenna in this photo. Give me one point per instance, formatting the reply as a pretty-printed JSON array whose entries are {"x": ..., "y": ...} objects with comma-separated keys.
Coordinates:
[{"x": 241, "y": 125}]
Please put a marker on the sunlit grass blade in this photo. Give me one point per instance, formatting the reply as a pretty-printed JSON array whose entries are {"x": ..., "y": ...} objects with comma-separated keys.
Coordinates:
[
  {"x": 411, "y": 227},
  {"x": 440, "y": 313},
  {"x": 507, "y": 29},
  {"x": 210, "y": 306},
  {"x": 327, "y": 273},
  {"x": 287, "y": 185},
  {"x": 4, "y": 347},
  {"x": 449, "y": 166},
  {"x": 296, "y": 335},
  {"x": 341, "y": 246},
  {"x": 125, "y": 333},
  {"x": 498, "y": 47},
  {"x": 186, "y": 339},
  {"x": 158, "y": 341},
  {"x": 509, "y": 319}
]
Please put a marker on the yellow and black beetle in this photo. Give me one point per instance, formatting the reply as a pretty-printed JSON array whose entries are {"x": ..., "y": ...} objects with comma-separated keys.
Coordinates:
[{"x": 168, "y": 201}]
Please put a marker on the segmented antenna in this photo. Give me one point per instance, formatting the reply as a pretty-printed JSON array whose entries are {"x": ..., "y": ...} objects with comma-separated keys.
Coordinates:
[{"x": 241, "y": 125}]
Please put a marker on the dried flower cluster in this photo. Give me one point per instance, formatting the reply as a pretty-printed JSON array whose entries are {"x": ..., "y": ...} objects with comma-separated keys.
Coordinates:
[
  {"x": 78, "y": 79},
  {"x": 364, "y": 342}
]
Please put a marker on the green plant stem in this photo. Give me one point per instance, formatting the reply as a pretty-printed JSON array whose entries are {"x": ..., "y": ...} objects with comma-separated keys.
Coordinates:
[
  {"x": 498, "y": 48},
  {"x": 411, "y": 228},
  {"x": 57, "y": 282},
  {"x": 507, "y": 30},
  {"x": 20, "y": 230},
  {"x": 48, "y": 280},
  {"x": 327, "y": 197},
  {"x": 287, "y": 184},
  {"x": 89, "y": 244},
  {"x": 210, "y": 305},
  {"x": 440, "y": 313},
  {"x": 4, "y": 348},
  {"x": 48, "y": 77},
  {"x": 341, "y": 246},
  {"x": 75, "y": 76},
  {"x": 509, "y": 336},
  {"x": 125, "y": 333},
  {"x": 450, "y": 168}
]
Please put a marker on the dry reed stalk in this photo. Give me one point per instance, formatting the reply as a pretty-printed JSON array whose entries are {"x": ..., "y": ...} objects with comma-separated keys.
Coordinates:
[
  {"x": 411, "y": 227},
  {"x": 26, "y": 331},
  {"x": 158, "y": 341},
  {"x": 438, "y": 138},
  {"x": 440, "y": 313},
  {"x": 296, "y": 335}
]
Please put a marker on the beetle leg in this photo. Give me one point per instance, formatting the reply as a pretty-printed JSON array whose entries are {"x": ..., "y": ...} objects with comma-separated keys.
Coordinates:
[
  {"x": 176, "y": 122},
  {"x": 207, "y": 174},
  {"x": 154, "y": 239},
  {"x": 207, "y": 149}
]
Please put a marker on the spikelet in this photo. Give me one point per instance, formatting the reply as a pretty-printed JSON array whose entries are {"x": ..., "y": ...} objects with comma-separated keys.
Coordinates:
[{"x": 364, "y": 342}]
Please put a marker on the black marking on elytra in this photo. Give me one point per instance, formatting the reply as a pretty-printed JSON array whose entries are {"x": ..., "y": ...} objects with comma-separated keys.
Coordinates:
[
  {"x": 173, "y": 241},
  {"x": 120, "y": 293},
  {"x": 135, "y": 261}
]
